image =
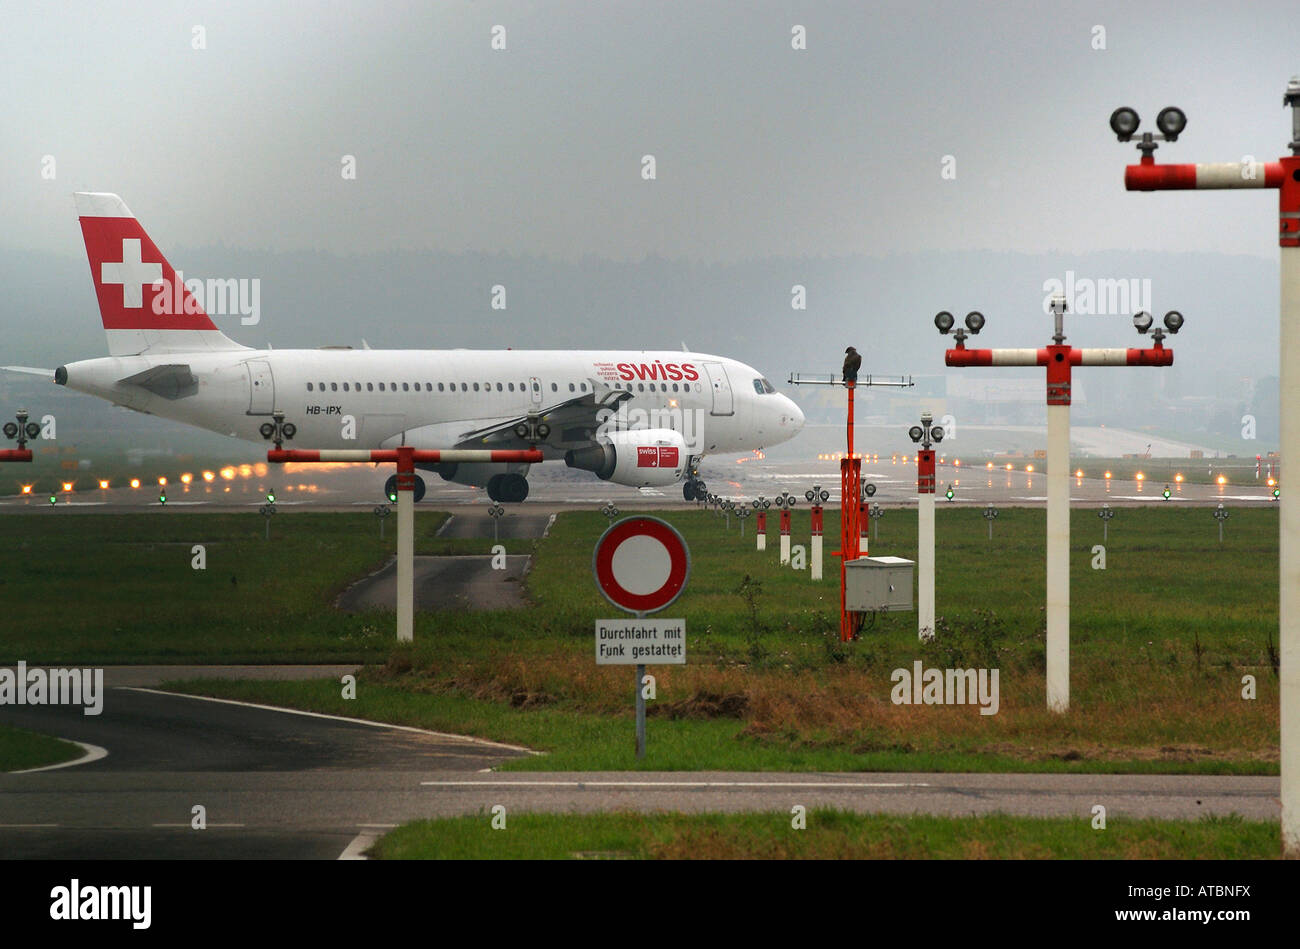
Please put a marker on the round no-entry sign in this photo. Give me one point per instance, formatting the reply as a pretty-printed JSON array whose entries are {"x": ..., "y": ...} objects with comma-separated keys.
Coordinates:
[{"x": 641, "y": 564}]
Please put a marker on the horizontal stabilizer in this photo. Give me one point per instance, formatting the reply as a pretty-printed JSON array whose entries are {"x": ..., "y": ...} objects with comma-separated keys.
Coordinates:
[{"x": 174, "y": 381}]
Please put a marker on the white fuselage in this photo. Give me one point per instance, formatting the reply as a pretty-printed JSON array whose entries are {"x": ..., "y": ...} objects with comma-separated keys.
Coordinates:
[{"x": 345, "y": 398}]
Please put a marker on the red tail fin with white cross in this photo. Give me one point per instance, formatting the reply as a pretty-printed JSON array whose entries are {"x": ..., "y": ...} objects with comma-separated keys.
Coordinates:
[{"x": 145, "y": 308}]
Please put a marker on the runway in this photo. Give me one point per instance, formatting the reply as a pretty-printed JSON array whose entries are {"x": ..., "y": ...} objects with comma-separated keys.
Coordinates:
[{"x": 359, "y": 488}]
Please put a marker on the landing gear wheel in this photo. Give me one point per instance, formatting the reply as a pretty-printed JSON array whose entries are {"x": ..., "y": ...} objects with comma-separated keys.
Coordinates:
[
  {"x": 688, "y": 491},
  {"x": 514, "y": 487},
  {"x": 390, "y": 489},
  {"x": 507, "y": 488},
  {"x": 701, "y": 490}
]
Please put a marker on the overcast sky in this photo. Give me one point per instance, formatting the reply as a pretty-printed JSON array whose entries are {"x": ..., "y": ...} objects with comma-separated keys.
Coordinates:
[{"x": 760, "y": 149}]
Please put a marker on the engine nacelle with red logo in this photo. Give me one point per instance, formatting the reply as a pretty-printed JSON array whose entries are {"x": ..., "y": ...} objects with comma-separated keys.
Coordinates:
[{"x": 645, "y": 458}]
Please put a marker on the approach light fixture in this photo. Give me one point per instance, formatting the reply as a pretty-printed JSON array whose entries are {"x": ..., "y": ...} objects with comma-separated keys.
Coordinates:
[
  {"x": 1142, "y": 322},
  {"x": 1124, "y": 123},
  {"x": 975, "y": 321},
  {"x": 267, "y": 430},
  {"x": 1171, "y": 121},
  {"x": 915, "y": 433},
  {"x": 1173, "y": 321},
  {"x": 943, "y": 320}
]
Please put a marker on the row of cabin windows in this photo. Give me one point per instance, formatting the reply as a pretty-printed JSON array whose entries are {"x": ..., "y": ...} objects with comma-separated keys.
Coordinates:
[{"x": 486, "y": 387}]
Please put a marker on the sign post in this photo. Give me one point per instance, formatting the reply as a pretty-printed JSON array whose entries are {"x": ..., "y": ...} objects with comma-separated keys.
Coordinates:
[{"x": 641, "y": 565}]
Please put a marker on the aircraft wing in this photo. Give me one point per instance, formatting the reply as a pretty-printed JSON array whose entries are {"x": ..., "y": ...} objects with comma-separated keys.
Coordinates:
[{"x": 573, "y": 424}]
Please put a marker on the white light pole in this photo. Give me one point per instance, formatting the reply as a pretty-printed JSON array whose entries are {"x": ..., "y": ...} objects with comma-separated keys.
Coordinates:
[
  {"x": 926, "y": 435},
  {"x": 761, "y": 504},
  {"x": 1058, "y": 359},
  {"x": 785, "y": 502},
  {"x": 1284, "y": 176},
  {"x": 405, "y": 457},
  {"x": 816, "y": 497}
]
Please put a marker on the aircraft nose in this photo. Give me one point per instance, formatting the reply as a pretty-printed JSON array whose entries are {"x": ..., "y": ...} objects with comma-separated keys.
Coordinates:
[{"x": 793, "y": 416}]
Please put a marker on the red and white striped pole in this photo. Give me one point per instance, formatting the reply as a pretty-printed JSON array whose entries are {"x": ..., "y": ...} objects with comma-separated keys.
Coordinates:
[
  {"x": 761, "y": 530},
  {"x": 925, "y": 542},
  {"x": 815, "y": 565},
  {"x": 1282, "y": 175},
  {"x": 1058, "y": 359},
  {"x": 405, "y": 457}
]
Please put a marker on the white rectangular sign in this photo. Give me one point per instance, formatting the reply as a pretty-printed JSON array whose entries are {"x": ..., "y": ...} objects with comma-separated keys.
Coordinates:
[{"x": 630, "y": 642}]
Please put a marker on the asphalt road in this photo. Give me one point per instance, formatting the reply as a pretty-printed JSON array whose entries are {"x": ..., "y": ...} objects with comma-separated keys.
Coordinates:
[
  {"x": 278, "y": 784},
  {"x": 273, "y": 783},
  {"x": 444, "y": 583}
]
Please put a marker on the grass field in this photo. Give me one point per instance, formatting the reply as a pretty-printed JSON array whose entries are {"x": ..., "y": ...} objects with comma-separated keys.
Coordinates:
[
  {"x": 829, "y": 835},
  {"x": 106, "y": 589},
  {"x": 21, "y": 749},
  {"x": 1161, "y": 641}
]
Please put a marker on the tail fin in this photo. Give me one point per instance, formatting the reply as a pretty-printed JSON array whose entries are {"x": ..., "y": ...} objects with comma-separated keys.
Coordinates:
[{"x": 143, "y": 305}]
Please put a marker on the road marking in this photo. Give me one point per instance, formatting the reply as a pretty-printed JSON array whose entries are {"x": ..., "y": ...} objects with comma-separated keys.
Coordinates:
[
  {"x": 92, "y": 753},
  {"x": 360, "y": 844},
  {"x": 438, "y": 533},
  {"x": 334, "y": 718},
  {"x": 677, "y": 784}
]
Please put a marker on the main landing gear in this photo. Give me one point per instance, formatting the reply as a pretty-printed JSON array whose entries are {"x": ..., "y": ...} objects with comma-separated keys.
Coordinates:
[
  {"x": 509, "y": 488},
  {"x": 694, "y": 489}
]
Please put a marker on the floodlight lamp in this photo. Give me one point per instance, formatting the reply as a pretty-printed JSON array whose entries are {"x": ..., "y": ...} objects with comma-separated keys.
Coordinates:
[
  {"x": 521, "y": 430},
  {"x": 32, "y": 429},
  {"x": 975, "y": 321},
  {"x": 915, "y": 433},
  {"x": 267, "y": 430},
  {"x": 1173, "y": 321},
  {"x": 543, "y": 431},
  {"x": 1171, "y": 121},
  {"x": 870, "y": 489},
  {"x": 936, "y": 433},
  {"x": 11, "y": 429},
  {"x": 1142, "y": 322},
  {"x": 943, "y": 320},
  {"x": 288, "y": 429},
  {"x": 1124, "y": 123}
]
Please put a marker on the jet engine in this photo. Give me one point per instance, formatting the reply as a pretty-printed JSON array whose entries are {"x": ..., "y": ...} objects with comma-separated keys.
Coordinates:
[{"x": 642, "y": 458}]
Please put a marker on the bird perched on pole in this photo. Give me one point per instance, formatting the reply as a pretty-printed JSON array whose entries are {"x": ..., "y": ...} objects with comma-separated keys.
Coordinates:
[{"x": 852, "y": 362}]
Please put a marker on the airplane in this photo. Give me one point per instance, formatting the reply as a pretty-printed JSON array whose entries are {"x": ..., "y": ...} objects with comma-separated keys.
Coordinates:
[{"x": 643, "y": 419}]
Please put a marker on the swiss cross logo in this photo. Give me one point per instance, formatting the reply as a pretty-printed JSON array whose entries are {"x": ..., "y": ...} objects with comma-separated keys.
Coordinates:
[
  {"x": 133, "y": 273},
  {"x": 650, "y": 456}
]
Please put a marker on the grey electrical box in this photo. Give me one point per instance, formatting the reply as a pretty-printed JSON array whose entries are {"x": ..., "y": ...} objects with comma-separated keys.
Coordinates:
[{"x": 878, "y": 584}]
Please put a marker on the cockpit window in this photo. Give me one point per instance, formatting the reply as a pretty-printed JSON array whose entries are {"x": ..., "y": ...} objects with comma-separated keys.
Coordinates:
[{"x": 763, "y": 387}]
